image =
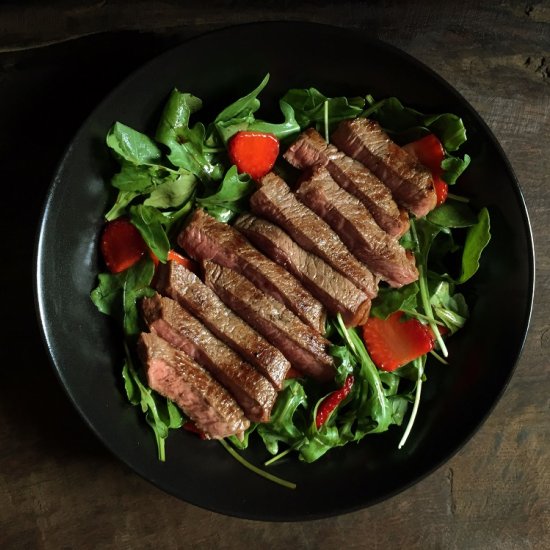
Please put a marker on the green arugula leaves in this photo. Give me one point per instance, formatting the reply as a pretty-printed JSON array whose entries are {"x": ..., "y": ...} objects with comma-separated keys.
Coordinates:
[{"x": 161, "y": 180}]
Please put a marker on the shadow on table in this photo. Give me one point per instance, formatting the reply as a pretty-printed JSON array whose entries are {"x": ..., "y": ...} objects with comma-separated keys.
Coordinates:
[{"x": 45, "y": 94}]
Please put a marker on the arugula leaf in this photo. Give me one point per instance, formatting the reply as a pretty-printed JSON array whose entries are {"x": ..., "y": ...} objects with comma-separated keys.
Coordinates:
[
  {"x": 449, "y": 308},
  {"x": 390, "y": 300},
  {"x": 452, "y": 214},
  {"x": 309, "y": 107},
  {"x": 124, "y": 198},
  {"x": 282, "y": 426},
  {"x": 245, "y": 106},
  {"x": 230, "y": 197},
  {"x": 289, "y": 127},
  {"x": 161, "y": 414},
  {"x": 132, "y": 146},
  {"x": 117, "y": 294},
  {"x": 149, "y": 221},
  {"x": 173, "y": 192},
  {"x": 239, "y": 116},
  {"x": 186, "y": 144},
  {"x": 477, "y": 239},
  {"x": 453, "y": 167}
]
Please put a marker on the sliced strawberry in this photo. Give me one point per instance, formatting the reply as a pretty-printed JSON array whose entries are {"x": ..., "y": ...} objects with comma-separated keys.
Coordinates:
[
  {"x": 121, "y": 245},
  {"x": 188, "y": 263},
  {"x": 392, "y": 343},
  {"x": 429, "y": 151},
  {"x": 441, "y": 190},
  {"x": 253, "y": 152}
]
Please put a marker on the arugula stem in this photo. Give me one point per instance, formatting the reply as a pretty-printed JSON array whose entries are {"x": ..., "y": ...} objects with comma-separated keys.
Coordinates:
[
  {"x": 425, "y": 296},
  {"x": 457, "y": 198},
  {"x": 274, "y": 459},
  {"x": 416, "y": 403},
  {"x": 438, "y": 357},
  {"x": 420, "y": 316},
  {"x": 326, "y": 121},
  {"x": 365, "y": 360},
  {"x": 161, "y": 447},
  {"x": 255, "y": 469}
]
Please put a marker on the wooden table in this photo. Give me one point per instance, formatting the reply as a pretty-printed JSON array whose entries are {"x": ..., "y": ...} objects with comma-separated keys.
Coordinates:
[{"x": 59, "y": 488}]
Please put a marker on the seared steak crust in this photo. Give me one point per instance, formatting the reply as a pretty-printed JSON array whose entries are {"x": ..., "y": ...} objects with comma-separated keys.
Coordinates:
[
  {"x": 182, "y": 331},
  {"x": 186, "y": 288},
  {"x": 355, "y": 226},
  {"x": 336, "y": 293},
  {"x": 410, "y": 182},
  {"x": 301, "y": 345},
  {"x": 310, "y": 149},
  {"x": 205, "y": 238},
  {"x": 275, "y": 201},
  {"x": 173, "y": 374}
]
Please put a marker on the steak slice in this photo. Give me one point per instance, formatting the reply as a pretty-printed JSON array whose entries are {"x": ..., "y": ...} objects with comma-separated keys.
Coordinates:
[
  {"x": 300, "y": 344},
  {"x": 410, "y": 182},
  {"x": 336, "y": 293},
  {"x": 276, "y": 202},
  {"x": 205, "y": 238},
  {"x": 186, "y": 288},
  {"x": 310, "y": 148},
  {"x": 182, "y": 331},
  {"x": 356, "y": 227},
  {"x": 175, "y": 375}
]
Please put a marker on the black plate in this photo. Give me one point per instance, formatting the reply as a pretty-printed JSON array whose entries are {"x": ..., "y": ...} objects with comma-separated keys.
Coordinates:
[{"x": 86, "y": 350}]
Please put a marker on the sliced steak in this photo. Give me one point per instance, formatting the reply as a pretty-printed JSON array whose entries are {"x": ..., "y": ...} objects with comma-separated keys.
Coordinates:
[
  {"x": 181, "y": 330},
  {"x": 410, "y": 182},
  {"x": 205, "y": 238},
  {"x": 276, "y": 202},
  {"x": 337, "y": 294},
  {"x": 310, "y": 148},
  {"x": 185, "y": 287},
  {"x": 173, "y": 374},
  {"x": 301, "y": 345},
  {"x": 356, "y": 227}
]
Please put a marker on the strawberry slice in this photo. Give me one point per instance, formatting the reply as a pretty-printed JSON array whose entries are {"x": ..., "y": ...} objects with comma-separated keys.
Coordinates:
[
  {"x": 441, "y": 190},
  {"x": 429, "y": 151},
  {"x": 392, "y": 343},
  {"x": 253, "y": 152},
  {"x": 121, "y": 245},
  {"x": 188, "y": 263}
]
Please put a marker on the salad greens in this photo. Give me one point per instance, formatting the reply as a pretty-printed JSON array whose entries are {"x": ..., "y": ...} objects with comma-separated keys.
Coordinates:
[{"x": 161, "y": 180}]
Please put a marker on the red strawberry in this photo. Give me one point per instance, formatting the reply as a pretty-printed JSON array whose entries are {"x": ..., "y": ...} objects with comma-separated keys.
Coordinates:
[
  {"x": 441, "y": 190},
  {"x": 253, "y": 152},
  {"x": 429, "y": 151},
  {"x": 392, "y": 343},
  {"x": 189, "y": 264},
  {"x": 121, "y": 245}
]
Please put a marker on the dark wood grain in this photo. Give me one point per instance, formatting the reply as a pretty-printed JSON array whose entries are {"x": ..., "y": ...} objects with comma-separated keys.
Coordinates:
[{"x": 59, "y": 488}]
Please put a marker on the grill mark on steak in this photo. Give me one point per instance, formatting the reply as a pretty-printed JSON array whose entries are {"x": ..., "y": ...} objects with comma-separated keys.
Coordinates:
[
  {"x": 186, "y": 288},
  {"x": 175, "y": 375},
  {"x": 355, "y": 226},
  {"x": 275, "y": 201},
  {"x": 300, "y": 344},
  {"x": 338, "y": 294},
  {"x": 410, "y": 182},
  {"x": 182, "y": 331},
  {"x": 310, "y": 148},
  {"x": 205, "y": 238}
]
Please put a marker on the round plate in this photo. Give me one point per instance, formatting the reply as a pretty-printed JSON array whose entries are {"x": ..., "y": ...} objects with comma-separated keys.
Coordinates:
[{"x": 86, "y": 347}]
